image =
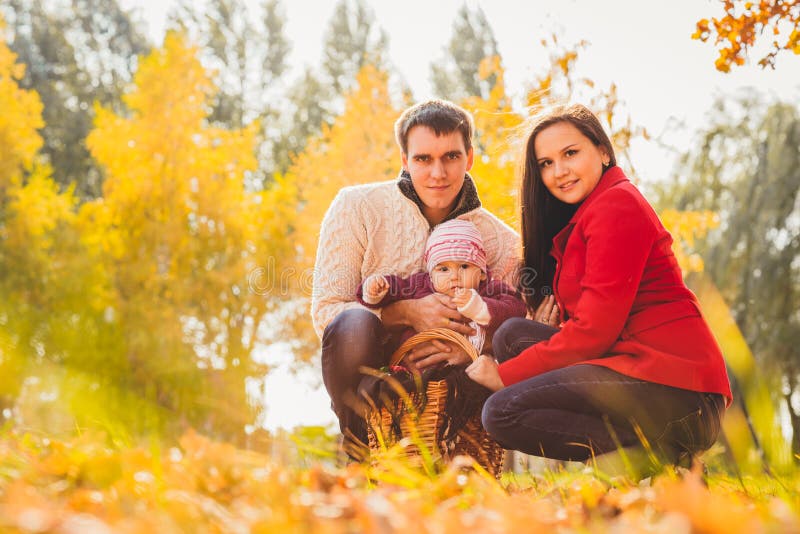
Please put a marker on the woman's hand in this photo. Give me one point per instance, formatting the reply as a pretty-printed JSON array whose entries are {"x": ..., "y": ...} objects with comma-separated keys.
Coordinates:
[
  {"x": 436, "y": 352},
  {"x": 484, "y": 372},
  {"x": 547, "y": 311}
]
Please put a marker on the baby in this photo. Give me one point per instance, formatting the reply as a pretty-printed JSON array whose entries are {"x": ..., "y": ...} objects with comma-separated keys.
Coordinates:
[{"x": 455, "y": 263}]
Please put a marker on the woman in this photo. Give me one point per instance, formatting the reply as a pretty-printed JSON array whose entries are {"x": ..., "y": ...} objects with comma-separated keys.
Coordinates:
[{"x": 632, "y": 365}]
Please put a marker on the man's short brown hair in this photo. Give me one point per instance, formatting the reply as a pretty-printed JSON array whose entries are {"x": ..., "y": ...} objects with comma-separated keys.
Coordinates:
[{"x": 441, "y": 116}]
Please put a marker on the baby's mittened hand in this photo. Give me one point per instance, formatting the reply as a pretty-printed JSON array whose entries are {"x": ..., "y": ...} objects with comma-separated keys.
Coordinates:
[
  {"x": 472, "y": 306},
  {"x": 461, "y": 296},
  {"x": 376, "y": 286}
]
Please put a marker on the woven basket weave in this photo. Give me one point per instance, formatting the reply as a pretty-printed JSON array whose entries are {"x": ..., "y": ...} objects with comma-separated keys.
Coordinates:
[{"x": 423, "y": 427}]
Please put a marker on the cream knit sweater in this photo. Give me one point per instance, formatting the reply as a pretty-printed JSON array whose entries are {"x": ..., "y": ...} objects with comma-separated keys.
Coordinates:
[{"x": 374, "y": 228}]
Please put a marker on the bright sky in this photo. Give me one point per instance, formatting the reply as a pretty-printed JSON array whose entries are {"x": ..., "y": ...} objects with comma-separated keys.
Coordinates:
[
  {"x": 644, "y": 47},
  {"x": 663, "y": 77}
]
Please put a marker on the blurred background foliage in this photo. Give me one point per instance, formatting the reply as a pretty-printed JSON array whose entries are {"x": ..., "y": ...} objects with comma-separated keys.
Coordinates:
[{"x": 160, "y": 206}]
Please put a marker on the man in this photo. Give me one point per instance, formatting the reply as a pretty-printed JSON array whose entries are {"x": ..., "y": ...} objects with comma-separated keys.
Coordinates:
[{"x": 382, "y": 228}]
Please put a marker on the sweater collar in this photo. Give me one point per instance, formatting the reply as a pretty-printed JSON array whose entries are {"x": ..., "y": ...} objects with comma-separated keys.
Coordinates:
[
  {"x": 610, "y": 178},
  {"x": 467, "y": 198}
]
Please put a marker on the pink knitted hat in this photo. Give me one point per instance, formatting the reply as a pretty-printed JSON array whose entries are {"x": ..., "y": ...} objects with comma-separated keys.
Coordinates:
[{"x": 456, "y": 240}]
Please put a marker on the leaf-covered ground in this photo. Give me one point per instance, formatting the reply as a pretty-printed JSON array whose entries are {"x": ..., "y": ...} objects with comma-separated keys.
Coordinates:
[{"x": 84, "y": 486}]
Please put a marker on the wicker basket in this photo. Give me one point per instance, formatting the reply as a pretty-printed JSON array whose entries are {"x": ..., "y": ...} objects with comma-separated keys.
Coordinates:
[{"x": 423, "y": 428}]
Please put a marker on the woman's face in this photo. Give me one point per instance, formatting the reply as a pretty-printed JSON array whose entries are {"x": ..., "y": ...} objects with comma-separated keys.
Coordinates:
[{"x": 569, "y": 163}]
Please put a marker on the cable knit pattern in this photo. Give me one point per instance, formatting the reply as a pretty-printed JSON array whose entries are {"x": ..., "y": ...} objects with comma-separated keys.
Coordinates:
[{"x": 374, "y": 228}]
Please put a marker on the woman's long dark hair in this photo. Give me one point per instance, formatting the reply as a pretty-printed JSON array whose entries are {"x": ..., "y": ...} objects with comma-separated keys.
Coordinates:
[{"x": 543, "y": 215}]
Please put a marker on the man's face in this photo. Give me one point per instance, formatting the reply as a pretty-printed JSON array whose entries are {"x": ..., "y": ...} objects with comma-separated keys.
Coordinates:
[{"x": 437, "y": 165}]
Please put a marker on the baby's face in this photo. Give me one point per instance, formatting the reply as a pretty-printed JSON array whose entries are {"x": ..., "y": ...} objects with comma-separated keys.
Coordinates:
[{"x": 449, "y": 275}]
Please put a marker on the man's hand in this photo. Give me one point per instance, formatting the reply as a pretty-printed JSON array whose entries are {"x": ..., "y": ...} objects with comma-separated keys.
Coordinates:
[
  {"x": 433, "y": 311},
  {"x": 547, "y": 311},
  {"x": 484, "y": 372},
  {"x": 436, "y": 352}
]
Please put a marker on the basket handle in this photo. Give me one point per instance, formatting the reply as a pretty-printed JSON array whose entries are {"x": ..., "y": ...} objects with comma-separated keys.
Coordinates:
[{"x": 444, "y": 334}]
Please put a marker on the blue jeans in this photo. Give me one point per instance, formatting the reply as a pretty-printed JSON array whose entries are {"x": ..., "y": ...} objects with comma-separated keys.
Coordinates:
[{"x": 577, "y": 411}]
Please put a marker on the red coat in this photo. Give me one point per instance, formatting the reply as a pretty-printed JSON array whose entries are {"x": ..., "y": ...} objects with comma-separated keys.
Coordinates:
[{"x": 623, "y": 301}]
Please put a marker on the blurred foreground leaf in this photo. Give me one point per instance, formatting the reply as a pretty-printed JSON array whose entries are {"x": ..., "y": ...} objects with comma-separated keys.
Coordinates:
[{"x": 200, "y": 485}]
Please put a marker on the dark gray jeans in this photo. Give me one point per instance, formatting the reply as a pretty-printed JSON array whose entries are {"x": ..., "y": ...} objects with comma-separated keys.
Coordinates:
[
  {"x": 581, "y": 410},
  {"x": 354, "y": 338}
]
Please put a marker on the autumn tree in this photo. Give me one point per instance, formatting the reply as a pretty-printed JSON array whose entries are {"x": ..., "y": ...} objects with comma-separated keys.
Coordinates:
[
  {"x": 77, "y": 53},
  {"x": 308, "y": 107},
  {"x": 352, "y": 40},
  {"x": 745, "y": 169},
  {"x": 20, "y": 120},
  {"x": 316, "y": 96},
  {"x": 559, "y": 83},
  {"x": 46, "y": 280},
  {"x": 246, "y": 48},
  {"x": 19, "y": 143},
  {"x": 745, "y": 22},
  {"x": 456, "y": 75},
  {"x": 181, "y": 237},
  {"x": 350, "y": 151},
  {"x": 497, "y": 146},
  {"x": 501, "y": 127}
]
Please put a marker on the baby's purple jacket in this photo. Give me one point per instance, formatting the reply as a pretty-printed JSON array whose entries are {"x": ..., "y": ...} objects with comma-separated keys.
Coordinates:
[{"x": 502, "y": 301}]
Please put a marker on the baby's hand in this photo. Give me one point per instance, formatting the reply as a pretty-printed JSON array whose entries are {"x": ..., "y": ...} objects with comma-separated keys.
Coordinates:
[
  {"x": 461, "y": 296},
  {"x": 376, "y": 286}
]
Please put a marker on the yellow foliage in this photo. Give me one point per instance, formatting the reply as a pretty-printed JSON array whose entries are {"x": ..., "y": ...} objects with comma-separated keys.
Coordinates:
[
  {"x": 42, "y": 286},
  {"x": 36, "y": 210},
  {"x": 558, "y": 85},
  {"x": 20, "y": 119},
  {"x": 175, "y": 206},
  {"x": 36, "y": 239},
  {"x": 358, "y": 148},
  {"x": 497, "y": 150},
  {"x": 12, "y": 364},
  {"x": 685, "y": 227},
  {"x": 501, "y": 131},
  {"x": 180, "y": 235},
  {"x": 36, "y": 216},
  {"x": 741, "y": 25}
]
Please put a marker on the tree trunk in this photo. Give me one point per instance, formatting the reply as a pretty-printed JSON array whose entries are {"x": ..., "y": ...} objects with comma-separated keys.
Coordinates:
[{"x": 794, "y": 415}]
